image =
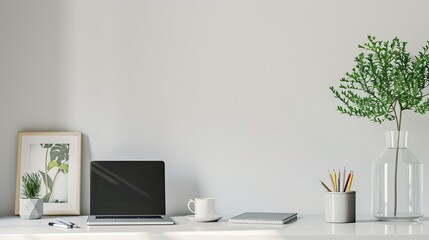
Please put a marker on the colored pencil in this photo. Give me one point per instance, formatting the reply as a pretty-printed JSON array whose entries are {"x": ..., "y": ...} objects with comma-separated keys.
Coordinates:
[
  {"x": 326, "y": 187},
  {"x": 350, "y": 183},
  {"x": 344, "y": 179},
  {"x": 335, "y": 181},
  {"x": 347, "y": 182},
  {"x": 339, "y": 181},
  {"x": 332, "y": 180}
]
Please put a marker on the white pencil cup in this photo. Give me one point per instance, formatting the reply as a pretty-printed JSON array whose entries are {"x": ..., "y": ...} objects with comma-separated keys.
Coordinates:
[{"x": 340, "y": 207}]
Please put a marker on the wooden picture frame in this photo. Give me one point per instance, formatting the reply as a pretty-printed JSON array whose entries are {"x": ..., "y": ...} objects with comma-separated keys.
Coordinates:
[{"x": 59, "y": 155}]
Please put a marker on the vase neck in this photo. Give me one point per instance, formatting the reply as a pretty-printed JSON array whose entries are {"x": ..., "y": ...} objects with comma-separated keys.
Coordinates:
[{"x": 392, "y": 139}]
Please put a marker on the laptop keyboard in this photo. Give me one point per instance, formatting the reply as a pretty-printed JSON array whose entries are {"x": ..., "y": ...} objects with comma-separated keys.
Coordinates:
[{"x": 130, "y": 217}]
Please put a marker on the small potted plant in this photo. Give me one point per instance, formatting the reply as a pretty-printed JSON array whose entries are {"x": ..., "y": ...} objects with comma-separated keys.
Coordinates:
[{"x": 30, "y": 205}]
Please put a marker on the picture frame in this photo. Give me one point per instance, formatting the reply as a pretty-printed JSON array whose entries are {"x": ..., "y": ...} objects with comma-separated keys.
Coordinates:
[{"x": 56, "y": 156}]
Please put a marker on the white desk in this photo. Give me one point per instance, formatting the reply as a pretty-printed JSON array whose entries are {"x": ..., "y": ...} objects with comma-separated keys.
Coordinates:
[{"x": 306, "y": 227}]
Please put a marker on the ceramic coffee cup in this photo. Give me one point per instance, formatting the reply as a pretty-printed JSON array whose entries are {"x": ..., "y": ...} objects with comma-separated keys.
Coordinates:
[{"x": 203, "y": 207}]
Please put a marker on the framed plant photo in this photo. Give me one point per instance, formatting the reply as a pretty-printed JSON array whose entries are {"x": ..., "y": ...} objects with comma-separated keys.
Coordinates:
[{"x": 56, "y": 157}]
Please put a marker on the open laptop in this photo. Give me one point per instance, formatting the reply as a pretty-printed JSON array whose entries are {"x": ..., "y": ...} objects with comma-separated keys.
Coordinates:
[{"x": 127, "y": 193}]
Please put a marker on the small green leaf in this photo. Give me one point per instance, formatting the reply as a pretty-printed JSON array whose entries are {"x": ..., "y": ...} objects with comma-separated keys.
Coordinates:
[
  {"x": 52, "y": 164},
  {"x": 64, "y": 168}
]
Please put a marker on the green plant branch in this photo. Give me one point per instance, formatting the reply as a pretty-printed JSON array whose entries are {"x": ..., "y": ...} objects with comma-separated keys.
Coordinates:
[
  {"x": 396, "y": 115},
  {"x": 59, "y": 154},
  {"x": 396, "y": 165},
  {"x": 385, "y": 82}
]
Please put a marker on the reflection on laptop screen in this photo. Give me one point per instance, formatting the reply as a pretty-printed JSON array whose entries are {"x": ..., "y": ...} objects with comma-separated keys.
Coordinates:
[{"x": 127, "y": 188}]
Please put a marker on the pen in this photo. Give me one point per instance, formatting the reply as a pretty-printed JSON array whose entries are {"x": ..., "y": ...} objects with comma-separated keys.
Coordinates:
[
  {"x": 326, "y": 187},
  {"x": 65, "y": 222},
  {"x": 59, "y": 225}
]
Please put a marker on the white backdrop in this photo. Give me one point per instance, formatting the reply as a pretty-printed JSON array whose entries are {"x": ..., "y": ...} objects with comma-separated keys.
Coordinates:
[{"x": 232, "y": 94}]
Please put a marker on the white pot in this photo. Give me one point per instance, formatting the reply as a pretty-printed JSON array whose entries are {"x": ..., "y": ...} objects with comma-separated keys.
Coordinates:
[{"x": 31, "y": 208}]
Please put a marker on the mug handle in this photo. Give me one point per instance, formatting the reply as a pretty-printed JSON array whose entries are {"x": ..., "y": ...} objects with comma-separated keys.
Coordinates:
[{"x": 189, "y": 205}]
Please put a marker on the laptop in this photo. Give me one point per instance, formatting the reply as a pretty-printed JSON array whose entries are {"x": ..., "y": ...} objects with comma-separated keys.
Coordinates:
[{"x": 127, "y": 193}]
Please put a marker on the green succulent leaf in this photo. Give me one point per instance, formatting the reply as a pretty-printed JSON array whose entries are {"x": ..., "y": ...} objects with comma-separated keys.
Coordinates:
[{"x": 30, "y": 185}]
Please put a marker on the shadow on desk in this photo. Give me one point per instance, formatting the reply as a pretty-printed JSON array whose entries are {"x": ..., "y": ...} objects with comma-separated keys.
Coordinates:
[
  {"x": 366, "y": 220},
  {"x": 265, "y": 224},
  {"x": 423, "y": 219}
]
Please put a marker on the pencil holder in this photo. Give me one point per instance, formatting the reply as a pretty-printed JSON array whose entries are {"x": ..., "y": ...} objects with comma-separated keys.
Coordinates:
[{"x": 340, "y": 207}]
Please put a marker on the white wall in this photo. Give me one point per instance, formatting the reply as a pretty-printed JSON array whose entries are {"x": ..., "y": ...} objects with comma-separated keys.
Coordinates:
[{"x": 232, "y": 95}]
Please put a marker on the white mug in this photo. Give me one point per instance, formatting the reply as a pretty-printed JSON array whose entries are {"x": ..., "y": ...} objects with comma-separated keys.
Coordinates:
[{"x": 204, "y": 207}]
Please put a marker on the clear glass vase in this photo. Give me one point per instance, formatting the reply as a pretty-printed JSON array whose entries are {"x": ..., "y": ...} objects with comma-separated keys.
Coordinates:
[{"x": 397, "y": 181}]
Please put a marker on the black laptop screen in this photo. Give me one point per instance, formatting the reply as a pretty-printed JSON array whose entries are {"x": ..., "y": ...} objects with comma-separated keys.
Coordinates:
[{"x": 127, "y": 188}]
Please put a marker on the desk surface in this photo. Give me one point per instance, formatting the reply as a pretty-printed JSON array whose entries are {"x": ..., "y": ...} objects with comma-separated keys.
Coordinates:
[{"x": 305, "y": 227}]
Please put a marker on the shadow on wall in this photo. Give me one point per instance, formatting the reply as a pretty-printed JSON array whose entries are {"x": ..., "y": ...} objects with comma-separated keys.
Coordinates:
[
  {"x": 179, "y": 189},
  {"x": 86, "y": 160},
  {"x": 31, "y": 72}
]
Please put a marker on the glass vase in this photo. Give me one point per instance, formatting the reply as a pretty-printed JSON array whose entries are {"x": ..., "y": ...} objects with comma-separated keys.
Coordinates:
[{"x": 397, "y": 181}]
